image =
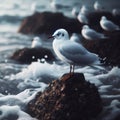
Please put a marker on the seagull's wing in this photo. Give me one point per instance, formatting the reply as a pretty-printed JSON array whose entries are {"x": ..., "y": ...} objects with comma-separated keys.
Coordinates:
[
  {"x": 72, "y": 48},
  {"x": 77, "y": 54},
  {"x": 109, "y": 24},
  {"x": 93, "y": 34}
]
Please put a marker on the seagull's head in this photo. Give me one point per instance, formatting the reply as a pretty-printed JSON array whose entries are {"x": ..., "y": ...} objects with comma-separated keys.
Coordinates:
[
  {"x": 85, "y": 27},
  {"x": 36, "y": 39},
  {"x": 103, "y": 18},
  {"x": 61, "y": 34}
]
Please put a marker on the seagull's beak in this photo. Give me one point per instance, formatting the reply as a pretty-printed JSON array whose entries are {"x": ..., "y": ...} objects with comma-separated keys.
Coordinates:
[{"x": 50, "y": 37}]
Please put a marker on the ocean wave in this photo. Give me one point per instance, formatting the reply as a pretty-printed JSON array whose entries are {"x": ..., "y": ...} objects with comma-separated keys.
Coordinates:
[{"x": 10, "y": 19}]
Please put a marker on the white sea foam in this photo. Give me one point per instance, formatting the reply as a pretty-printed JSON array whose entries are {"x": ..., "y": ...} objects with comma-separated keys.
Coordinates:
[
  {"x": 36, "y": 69},
  {"x": 29, "y": 79},
  {"x": 107, "y": 81},
  {"x": 14, "y": 105},
  {"x": 7, "y": 111}
]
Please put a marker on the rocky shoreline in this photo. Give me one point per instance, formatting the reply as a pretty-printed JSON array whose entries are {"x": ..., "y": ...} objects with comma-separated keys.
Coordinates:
[
  {"x": 74, "y": 97},
  {"x": 48, "y": 22},
  {"x": 67, "y": 98}
]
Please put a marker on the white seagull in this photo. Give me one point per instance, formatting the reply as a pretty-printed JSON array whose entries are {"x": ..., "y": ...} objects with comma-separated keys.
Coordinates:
[
  {"x": 91, "y": 34},
  {"x": 76, "y": 38},
  {"x": 116, "y": 12},
  {"x": 108, "y": 25},
  {"x": 84, "y": 10},
  {"x": 33, "y": 7},
  {"x": 82, "y": 18},
  {"x": 98, "y": 7},
  {"x": 36, "y": 43},
  {"x": 75, "y": 11},
  {"x": 56, "y": 4},
  {"x": 72, "y": 52}
]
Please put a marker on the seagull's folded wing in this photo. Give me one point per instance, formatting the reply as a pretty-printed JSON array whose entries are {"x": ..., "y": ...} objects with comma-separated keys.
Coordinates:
[
  {"x": 110, "y": 25},
  {"x": 77, "y": 53},
  {"x": 72, "y": 48}
]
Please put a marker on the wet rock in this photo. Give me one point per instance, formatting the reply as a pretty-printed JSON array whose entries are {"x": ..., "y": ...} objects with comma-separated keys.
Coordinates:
[
  {"x": 48, "y": 22},
  {"x": 28, "y": 55},
  {"x": 107, "y": 49},
  {"x": 94, "y": 19},
  {"x": 70, "y": 98}
]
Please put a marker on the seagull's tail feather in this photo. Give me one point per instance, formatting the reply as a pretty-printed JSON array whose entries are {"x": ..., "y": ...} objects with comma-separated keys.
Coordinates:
[{"x": 100, "y": 67}]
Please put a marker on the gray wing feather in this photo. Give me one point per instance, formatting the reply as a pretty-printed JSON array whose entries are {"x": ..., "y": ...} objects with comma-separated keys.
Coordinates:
[
  {"x": 73, "y": 48},
  {"x": 77, "y": 53}
]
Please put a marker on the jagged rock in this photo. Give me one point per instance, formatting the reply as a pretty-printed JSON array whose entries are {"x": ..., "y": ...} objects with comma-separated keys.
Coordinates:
[
  {"x": 28, "y": 55},
  {"x": 70, "y": 98},
  {"x": 48, "y": 22}
]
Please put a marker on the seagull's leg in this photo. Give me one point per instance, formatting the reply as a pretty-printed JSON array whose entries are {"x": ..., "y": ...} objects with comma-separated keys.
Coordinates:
[
  {"x": 70, "y": 69},
  {"x": 73, "y": 69},
  {"x": 68, "y": 76}
]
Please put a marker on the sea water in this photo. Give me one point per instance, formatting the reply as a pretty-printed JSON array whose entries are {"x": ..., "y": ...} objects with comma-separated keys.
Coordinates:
[{"x": 19, "y": 83}]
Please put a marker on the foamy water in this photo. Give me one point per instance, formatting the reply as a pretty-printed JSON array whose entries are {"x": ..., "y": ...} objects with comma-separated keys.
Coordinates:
[{"x": 20, "y": 83}]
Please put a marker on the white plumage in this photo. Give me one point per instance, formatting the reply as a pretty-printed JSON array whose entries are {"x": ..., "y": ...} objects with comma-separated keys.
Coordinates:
[
  {"x": 108, "y": 25},
  {"x": 91, "y": 34},
  {"x": 72, "y": 52},
  {"x": 36, "y": 42}
]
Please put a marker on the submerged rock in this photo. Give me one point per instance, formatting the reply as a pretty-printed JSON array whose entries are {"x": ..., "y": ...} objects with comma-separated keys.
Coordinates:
[
  {"x": 28, "y": 55},
  {"x": 48, "y": 22},
  {"x": 70, "y": 98}
]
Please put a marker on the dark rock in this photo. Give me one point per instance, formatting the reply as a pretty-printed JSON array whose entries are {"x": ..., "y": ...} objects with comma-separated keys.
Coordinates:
[
  {"x": 108, "y": 49},
  {"x": 70, "y": 98},
  {"x": 28, "y": 55},
  {"x": 94, "y": 19},
  {"x": 47, "y": 22}
]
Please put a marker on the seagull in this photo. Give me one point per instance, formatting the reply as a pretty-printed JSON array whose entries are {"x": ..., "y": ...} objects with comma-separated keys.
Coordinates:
[
  {"x": 108, "y": 25},
  {"x": 36, "y": 43},
  {"x": 98, "y": 7},
  {"x": 72, "y": 52},
  {"x": 91, "y": 34},
  {"x": 76, "y": 38},
  {"x": 82, "y": 18},
  {"x": 56, "y": 4},
  {"x": 75, "y": 11},
  {"x": 115, "y": 12},
  {"x": 84, "y": 10},
  {"x": 33, "y": 7}
]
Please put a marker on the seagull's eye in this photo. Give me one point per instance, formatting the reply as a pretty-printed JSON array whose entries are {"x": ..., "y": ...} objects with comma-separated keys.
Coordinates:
[
  {"x": 58, "y": 34},
  {"x": 62, "y": 34}
]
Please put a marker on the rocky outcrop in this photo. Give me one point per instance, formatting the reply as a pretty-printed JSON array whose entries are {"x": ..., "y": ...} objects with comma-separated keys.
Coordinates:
[
  {"x": 28, "y": 55},
  {"x": 47, "y": 22},
  {"x": 94, "y": 19},
  {"x": 69, "y": 98},
  {"x": 107, "y": 49}
]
